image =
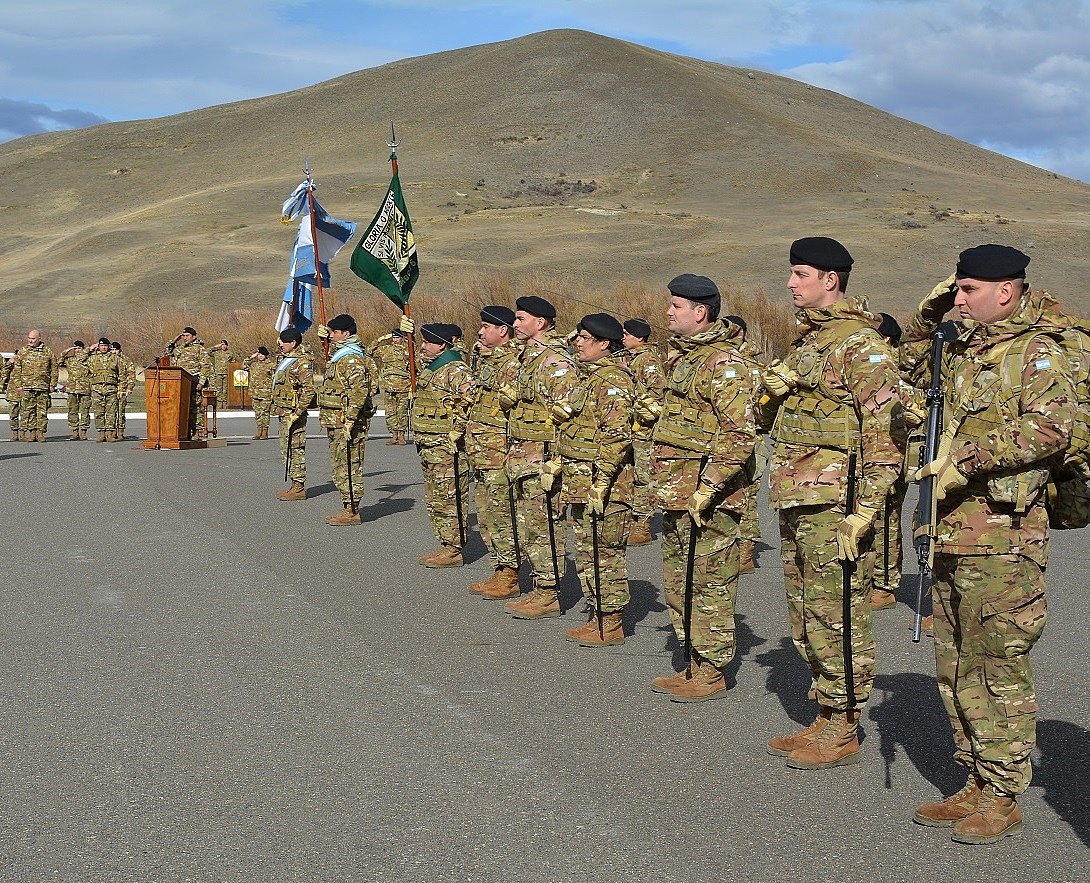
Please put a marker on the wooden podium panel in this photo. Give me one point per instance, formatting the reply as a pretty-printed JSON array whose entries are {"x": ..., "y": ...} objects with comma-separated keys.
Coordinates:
[
  {"x": 169, "y": 392},
  {"x": 237, "y": 396}
]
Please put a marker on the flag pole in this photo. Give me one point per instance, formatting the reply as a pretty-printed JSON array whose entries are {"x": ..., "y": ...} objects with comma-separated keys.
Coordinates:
[
  {"x": 393, "y": 144},
  {"x": 314, "y": 243}
]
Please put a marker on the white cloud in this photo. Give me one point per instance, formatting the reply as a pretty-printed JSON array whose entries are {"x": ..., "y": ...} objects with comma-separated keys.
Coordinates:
[{"x": 19, "y": 118}]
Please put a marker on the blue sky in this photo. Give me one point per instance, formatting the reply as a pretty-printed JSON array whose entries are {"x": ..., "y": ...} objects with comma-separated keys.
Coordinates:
[{"x": 1011, "y": 75}]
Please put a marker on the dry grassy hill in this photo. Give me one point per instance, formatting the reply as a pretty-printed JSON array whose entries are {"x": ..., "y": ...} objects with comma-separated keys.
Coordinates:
[{"x": 563, "y": 153}]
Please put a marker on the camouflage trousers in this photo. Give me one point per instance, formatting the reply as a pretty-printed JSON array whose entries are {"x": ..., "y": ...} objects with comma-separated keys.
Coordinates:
[
  {"x": 440, "y": 494},
  {"x": 532, "y": 507},
  {"x": 79, "y": 411},
  {"x": 750, "y": 527},
  {"x": 122, "y": 403},
  {"x": 262, "y": 410},
  {"x": 221, "y": 391},
  {"x": 397, "y": 411},
  {"x": 642, "y": 505},
  {"x": 612, "y": 530},
  {"x": 34, "y": 410},
  {"x": 14, "y": 407},
  {"x": 814, "y": 578},
  {"x": 346, "y": 462},
  {"x": 197, "y": 419},
  {"x": 493, "y": 496},
  {"x": 989, "y": 612},
  {"x": 887, "y": 539},
  {"x": 104, "y": 406},
  {"x": 715, "y": 581},
  {"x": 293, "y": 446}
]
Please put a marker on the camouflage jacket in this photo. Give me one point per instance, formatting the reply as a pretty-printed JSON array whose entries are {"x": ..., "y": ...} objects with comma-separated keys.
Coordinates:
[
  {"x": 221, "y": 360},
  {"x": 847, "y": 398},
  {"x": 645, "y": 364},
  {"x": 546, "y": 376},
  {"x": 36, "y": 367},
  {"x": 486, "y": 428},
  {"x": 350, "y": 379},
  {"x": 444, "y": 391},
  {"x": 293, "y": 383},
  {"x": 128, "y": 374},
  {"x": 707, "y": 413},
  {"x": 74, "y": 361},
  {"x": 6, "y": 367},
  {"x": 193, "y": 357},
  {"x": 104, "y": 370},
  {"x": 1001, "y": 431},
  {"x": 391, "y": 353},
  {"x": 259, "y": 376}
]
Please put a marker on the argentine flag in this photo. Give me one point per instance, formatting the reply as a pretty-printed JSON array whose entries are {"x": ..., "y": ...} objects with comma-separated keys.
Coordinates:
[{"x": 297, "y": 309}]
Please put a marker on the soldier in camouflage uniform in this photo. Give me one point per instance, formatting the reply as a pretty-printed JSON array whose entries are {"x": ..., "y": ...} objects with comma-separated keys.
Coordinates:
[
  {"x": 189, "y": 353},
  {"x": 126, "y": 383},
  {"x": 497, "y": 360},
  {"x": 259, "y": 370},
  {"x": 645, "y": 364},
  {"x": 750, "y": 527},
  {"x": 292, "y": 395},
  {"x": 546, "y": 373},
  {"x": 10, "y": 383},
  {"x": 836, "y": 394},
  {"x": 36, "y": 369},
  {"x": 704, "y": 435},
  {"x": 221, "y": 358},
  {"x": 74, "y": 361},
  {"x": 391, "y": 352},
  {"x": 103, "y": 372},
  {"x": 1010, "y": 407},
  {"x": 594, "y": 440},
  {"x": 346, "y": 408},
  {"x": 444, "y": 391}
]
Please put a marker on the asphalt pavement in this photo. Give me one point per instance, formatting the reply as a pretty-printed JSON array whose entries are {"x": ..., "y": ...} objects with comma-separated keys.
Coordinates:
[{"x": 201, "y": 683}]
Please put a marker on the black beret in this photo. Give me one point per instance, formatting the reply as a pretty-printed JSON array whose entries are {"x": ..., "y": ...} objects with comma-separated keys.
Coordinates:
[
  {"x": 438, "y": 332},
  {"x": 78, "y": 343},
  {"x": 342, "y": 322},
  {"x": 821, "y": 252},
  {"x": 889, "y": 327},
  {"x": 989, "y": 262},
  {"x": 456, "y": 329},
  {"x": 290, "y": 334},
  {"x": 495, "y": 315},
  {"x": 638, "y": 328},
  {"x": 116, "y": 345},
  {"x": 739, "y": 321},
  {"x": 602, "y": 325},
  {"x": 104, "y": 340},
  {"x": 399, "y": 332},
  {"x": 700, "y": 289},
  {"x": 536, "y": 306},
  {"x": 263, "y": 350},
  {"x": 189, "y": 330}
]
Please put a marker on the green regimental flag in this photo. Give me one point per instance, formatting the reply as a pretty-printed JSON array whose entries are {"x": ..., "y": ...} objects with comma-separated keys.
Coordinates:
[{"x": 386, "y": 255}]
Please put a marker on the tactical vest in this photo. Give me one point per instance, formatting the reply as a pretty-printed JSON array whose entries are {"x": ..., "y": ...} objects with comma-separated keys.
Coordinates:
[
  {"x": 530, "y": 420},
  {"x": 580, "y": 437},
  {"x": 486, "y": 410},
  {"x": 34, "y": 370},
  {"x": 393, "y": 359},
  {"x": 103, "y": 369},
  {"x": 686, "y": 422},
  {"x": 78, "y": 375},
  {"x": 332, "y": 394},
  {"x": 285, "y": 390},
  {"x": 431, "y": 413}
]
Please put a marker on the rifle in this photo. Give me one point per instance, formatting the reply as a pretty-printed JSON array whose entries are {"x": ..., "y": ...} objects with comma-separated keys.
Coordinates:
[
  {"x": 514, "y": 524},
  {"x": 597, "y": 577},
  {"x": 848, "y": 569},
  {"x": 923, "y": 533},
  {"x": 552, "y": 528},
  {"x": 690, "y": 564},
  {"x": 348, "y": 464},
  {"x": 458, "y": 500}
]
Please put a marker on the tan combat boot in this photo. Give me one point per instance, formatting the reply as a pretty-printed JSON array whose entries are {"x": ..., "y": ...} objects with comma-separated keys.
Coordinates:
[
  {"x": 257, "y": 434},
  {"x": 101, "y": 436},
  {"x": 350, "y": 515},
  {"x": 73, "y": 435},
  {"x": 746, "y": 563},
  {"x": 477, "y": 588},
  {"x": 706, "y": 683},
  {"x": 880, "y": 599},
  {"x": 996, "y": 816},
  {"x": 14, "y": 435},
  {"x": 115, "y": 436},
  {"x": 444, "y": 556},
  {"x": 83, "y": 435},
  {"x": 782, "y": 746},
  {"x": 542, "y": 604},
  {"x": 505, "y": 584},
  {"x": 513, "y": 607},
  {"x": 297, "y": 491},
  {"x": 836, "y": 745},
  {"x": 943, "y": 813},
  {"x": 392, "y": 440},
  {"x": 640, "y": 535},
  {"x": 667, "y": 683},
  {"x": 612, "y": 631}
]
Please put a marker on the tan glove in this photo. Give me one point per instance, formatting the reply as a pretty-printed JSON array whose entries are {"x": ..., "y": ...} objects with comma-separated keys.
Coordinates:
[
  {"x": 647, "y": 409},
  {"x": 778, "y": 379},
  {"x": 407, "y": 325},
  {"x": 940, "y": 301},
  {"x": 947, "y": 476},
  {"x": 323, "y": 332},
  {"x": 560, "y": 412},
  {"x": 455, "y": 436},
  {"x": 508, "y": 397},
  {"x": 596, "y": 499},
  {"x": 550, "y": 472},
  {"x": 851, "y": 530},
  {"x": 700, "y": 503}
]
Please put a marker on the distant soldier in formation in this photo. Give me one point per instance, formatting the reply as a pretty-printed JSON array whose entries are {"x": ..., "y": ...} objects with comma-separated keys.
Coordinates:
[
  {"x": 645, "y": 363},
  {"x": 74, "y": 361},
  {"x": 704, "y": 436},
  {"x": 104, "y": 372},
  {"x": 346, "y": 408},
  {"x": 594, "y": 440},
  {"x": 221, "y": 358},
  {"x": 259, "y": 369},
  {"x": 36, "y": 370},
  {"x": 9, "y": 382},
  {"x": 444, "y": 391},
  {"x": 835, "y": 400},
  {"x": 126, "y": 383},
  {"x": 292, "y": 395},
  {"x": 391, "y": 352},
  {"x": 188, "y": 352},
  {"x": 497, "y": 363}
]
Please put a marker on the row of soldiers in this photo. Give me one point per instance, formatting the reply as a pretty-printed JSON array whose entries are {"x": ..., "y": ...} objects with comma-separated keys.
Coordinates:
[{"x": 555, "y": 431}]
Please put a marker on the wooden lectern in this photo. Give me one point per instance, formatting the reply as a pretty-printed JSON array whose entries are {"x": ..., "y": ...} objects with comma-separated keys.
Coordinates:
[{"x": 169, "y": 393}]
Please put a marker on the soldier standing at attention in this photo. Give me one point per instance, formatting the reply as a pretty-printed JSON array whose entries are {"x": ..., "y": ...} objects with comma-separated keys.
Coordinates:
[
  {"x": 11, "y": 384},
  {"x": 126, "y": 383},
  {"x": 545, "y": 373},
  {"x": 259, "y": 369},
  {"x": 191, "y": 355},
  {"x": 836, "y": 401},
  {"x": 346, "y": 408},
  {"x": 103, "y": 370},
  {"x": 221, "y": 358},
  {"x": 292, "y": 395},
  {"x": 486, "y": 444},
  {"x": 444, "y": 391},
  {"x": 703, "y": 438},
  {"x": 594, "y": 441},
  {"x": 1011, "y": 404},
  {"x": 36, "y": 369},
  {"x": 391, "y": 352},
  {"x": 74, "y": 361},
  {"x": 646, "y": 366}
]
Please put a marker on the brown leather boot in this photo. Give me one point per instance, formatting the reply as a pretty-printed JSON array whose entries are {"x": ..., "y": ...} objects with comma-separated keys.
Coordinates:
[
  {"x": 14, "y": 435},
  {"x": 746, "y": 563},
  {"x": 114, "y": 436},
  {"x": 444, "y": 556},
  {"x": 706, "y": 683},
  {"x": 667, "y": 683},
  {"x": 640, "y": 535},
  {"x": 542, "y": 604},
  {"x": 297, "y": 491},
  {"x": 612, "y": 631},
  {"x": 996, "y": 816},
  {"x": 943, "y": 813},
  {"x": 880, "y": 599},
  {"x": 574, "y": 634},
  {"x": 836, "y": 745},
  {"x": 256, "y": 435},
  {"x": 392, "y": 440},
  {"x": 101, "y": 436},
  {"x": 350, "y": 515},
  {"x": 73, "y": 435},
  {"x": 83, "y": 435},
  {"x": 782, "y": 746},
  {"x": 477, "y": 588},
  {"x": 505, "y": 584}
]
